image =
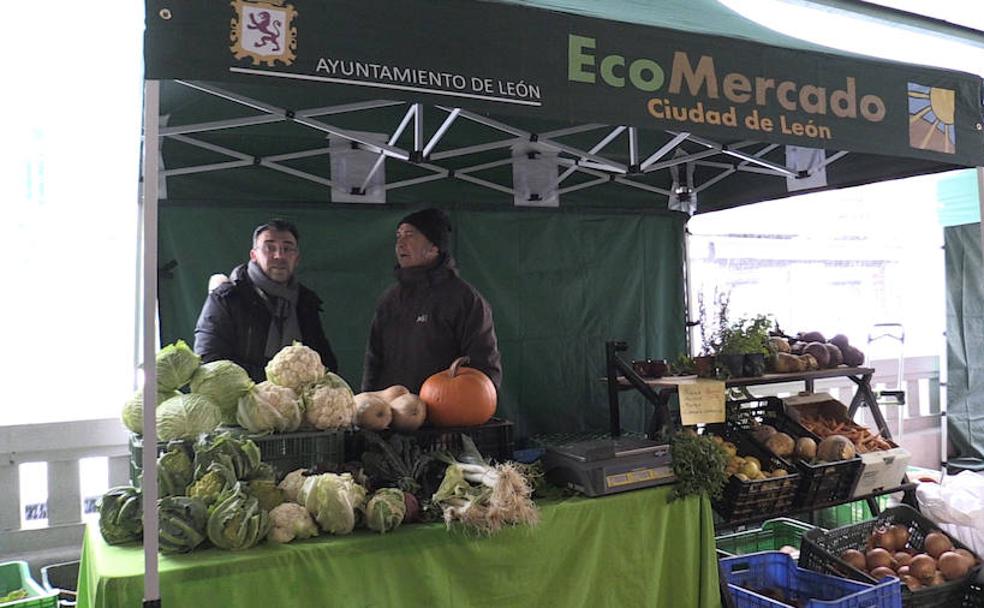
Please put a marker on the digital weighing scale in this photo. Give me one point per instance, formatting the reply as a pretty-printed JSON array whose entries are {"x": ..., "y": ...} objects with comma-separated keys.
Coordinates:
[{"x": 598, "y": 467}]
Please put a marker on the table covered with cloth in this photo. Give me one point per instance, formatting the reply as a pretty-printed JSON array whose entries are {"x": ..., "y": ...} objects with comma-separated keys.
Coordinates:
[{"x": 631, "y": 549}]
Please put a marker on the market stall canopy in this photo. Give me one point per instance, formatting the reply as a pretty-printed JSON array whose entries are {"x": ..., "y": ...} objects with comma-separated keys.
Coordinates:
[{"x": 633, "y": 103}]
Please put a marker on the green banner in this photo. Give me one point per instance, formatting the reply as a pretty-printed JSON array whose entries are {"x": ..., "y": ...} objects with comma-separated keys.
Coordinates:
[{"x": 497, "y": 58}]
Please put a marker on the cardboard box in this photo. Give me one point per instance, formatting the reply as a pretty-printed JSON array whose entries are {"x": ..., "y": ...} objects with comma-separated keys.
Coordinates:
[{"x": 880, "y": 470}]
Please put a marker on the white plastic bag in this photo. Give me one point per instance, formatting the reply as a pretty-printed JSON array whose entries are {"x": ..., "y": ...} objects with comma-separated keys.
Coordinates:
[{"x": 957, "y": 506}]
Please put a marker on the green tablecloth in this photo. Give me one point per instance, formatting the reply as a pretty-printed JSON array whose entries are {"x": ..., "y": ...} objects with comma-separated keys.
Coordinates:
[{"x": 632, "y": 549}]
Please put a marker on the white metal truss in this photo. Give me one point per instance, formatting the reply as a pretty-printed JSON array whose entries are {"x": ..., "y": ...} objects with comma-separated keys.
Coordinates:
[{"x": 592, "y": 163}]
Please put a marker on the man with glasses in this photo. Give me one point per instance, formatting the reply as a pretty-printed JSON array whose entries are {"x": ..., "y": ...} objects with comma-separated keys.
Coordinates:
[{"x": 262, "y": 307}]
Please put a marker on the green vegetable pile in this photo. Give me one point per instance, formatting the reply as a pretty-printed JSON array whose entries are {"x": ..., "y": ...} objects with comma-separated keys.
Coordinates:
[{"x": 698, "y": 464}]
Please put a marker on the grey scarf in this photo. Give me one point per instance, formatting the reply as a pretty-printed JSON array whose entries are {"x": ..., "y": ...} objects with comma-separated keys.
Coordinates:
[{"x": 281, "y": 301}]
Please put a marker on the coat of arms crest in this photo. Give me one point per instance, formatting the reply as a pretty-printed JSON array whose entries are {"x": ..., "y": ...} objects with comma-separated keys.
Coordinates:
[{"x": 263, "y": 31}]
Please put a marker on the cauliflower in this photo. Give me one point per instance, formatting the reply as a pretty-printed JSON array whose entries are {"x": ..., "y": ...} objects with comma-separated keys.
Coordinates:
[
  {"x": 291, "y": 484},
  {"x": 268, "y": 407},
  {"x": 294, "y": 366},
  {"x": 210, "y": 486},
  {"x": 289, "y": 521},
  {"x": 329, "y": 403},
  {"x": 266, "y": 492}
]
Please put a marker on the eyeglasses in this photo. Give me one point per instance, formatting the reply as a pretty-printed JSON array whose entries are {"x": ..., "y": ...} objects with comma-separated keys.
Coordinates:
[{"x": 273, "y": 248}]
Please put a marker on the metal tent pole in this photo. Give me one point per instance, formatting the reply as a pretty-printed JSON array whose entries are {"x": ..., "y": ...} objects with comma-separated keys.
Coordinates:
[{"x": 148, "y": 204}]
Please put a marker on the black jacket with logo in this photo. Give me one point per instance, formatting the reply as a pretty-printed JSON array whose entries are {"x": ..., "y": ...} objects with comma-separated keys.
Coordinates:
[
  {"x": 423, "y": 323},
  {"x": 234, "y": 324}
]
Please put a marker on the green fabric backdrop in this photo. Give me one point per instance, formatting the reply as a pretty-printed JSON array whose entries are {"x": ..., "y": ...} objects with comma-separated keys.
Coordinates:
[
  {"x": 964, "y": 330},
  {"x": 560, "y": 283}
]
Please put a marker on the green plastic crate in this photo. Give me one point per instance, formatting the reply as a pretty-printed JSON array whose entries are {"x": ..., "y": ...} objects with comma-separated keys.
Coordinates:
[
  {"x": 16, "y": 575},
  {"x": 772, "y": 536},
  {"x": 848, "y": 514}
]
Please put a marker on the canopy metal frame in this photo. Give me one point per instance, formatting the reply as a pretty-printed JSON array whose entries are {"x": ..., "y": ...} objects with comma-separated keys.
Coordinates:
[{"x": 731, "y": 159}]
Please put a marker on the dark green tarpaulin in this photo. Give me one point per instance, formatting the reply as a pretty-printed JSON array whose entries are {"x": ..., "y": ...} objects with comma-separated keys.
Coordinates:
[
  {"x": 964, "y": 334},
  {"x": 560, "y": 285}
]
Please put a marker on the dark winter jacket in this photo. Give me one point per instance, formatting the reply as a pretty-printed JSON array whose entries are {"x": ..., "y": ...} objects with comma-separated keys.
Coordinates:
[
  {"x": 234, "y": 324},
  {"x": 423, "y": 323}
]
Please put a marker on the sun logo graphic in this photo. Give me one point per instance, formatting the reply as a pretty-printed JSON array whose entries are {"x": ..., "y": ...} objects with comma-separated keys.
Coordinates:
[
  {"x": 263, "y": 31},
  {"x": 931, "y": 111}
]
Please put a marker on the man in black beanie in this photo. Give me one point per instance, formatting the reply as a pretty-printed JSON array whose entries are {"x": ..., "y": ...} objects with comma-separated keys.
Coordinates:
[{"x": 430, "y": 317}]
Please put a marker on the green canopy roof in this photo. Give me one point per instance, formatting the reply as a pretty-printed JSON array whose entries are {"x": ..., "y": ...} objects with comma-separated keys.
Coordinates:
[{"x": 638, "y": 103}]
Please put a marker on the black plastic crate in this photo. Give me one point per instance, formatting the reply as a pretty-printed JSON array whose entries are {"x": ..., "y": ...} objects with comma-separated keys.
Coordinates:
[
  {"x": 820, "y": 550},
  {"x": 63, "y": 578},
  {"x": 285, "y": 452},
  {"x": 820, "y": 483},
  {"x": 742, "y": 500},
  {"x": 974, "y": 597},
  {"x": 494, "y": 439}
]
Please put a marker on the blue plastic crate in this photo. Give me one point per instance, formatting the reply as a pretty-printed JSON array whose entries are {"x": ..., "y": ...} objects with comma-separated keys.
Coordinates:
[{"x": 749, "y": 575}]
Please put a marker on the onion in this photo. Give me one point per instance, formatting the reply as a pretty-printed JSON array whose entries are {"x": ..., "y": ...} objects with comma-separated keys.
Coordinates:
[
  {"x": 936, "y": 544},
  {"x": 938, "y": 579},
  {"x": 884, "y": 538},
  {"x": 878, "y": 558},
  {"x": 953, "y": 565},
  {"x": 902, "y": 571},
  {"x": 881, "y": 572},
  {"x": 922, "y": 567},
  {"x": 901, "y": 535},
  {"x": 855, "y": 558},
  {"x": 967, "y": 555},
  {"x": 903, "y": 558},
  {"x": 911, "y": 582}
]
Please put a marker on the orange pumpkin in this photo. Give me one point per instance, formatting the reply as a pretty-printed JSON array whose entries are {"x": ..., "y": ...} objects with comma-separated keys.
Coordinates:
[{"x": 459, "y": 396}]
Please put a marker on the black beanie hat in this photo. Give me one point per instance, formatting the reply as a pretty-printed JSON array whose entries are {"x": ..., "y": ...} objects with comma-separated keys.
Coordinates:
[{"x": 432, "y": 223}]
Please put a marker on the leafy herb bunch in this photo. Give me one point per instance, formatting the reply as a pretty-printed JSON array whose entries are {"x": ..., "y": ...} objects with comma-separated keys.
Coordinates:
[{"x": 698, "y": 464}]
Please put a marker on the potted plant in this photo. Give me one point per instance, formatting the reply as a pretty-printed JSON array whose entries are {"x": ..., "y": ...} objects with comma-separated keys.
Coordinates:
[
  {"x": 757, "y": 344},
  {"x": 704, "y": 362},
  {"x": 732, "y": 345},
  {"x": 743, "y": 346}
]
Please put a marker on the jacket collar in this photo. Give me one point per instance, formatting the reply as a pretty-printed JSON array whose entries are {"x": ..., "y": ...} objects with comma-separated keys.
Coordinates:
[{"x": 441, "y": 270}]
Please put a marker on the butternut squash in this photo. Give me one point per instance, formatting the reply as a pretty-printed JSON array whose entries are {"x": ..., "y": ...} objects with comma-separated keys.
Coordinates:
[
  {"x": 391, "y": 393},
  {"x": 372, "y": 412},
  {"x": 409, "y": 413}
]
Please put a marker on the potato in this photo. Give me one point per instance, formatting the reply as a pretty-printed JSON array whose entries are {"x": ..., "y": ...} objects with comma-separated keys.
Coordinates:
[
  {"x": 780, "y": 444},
  {"x": 809, "y": 362},
  {"x": 787, "y": 363}
]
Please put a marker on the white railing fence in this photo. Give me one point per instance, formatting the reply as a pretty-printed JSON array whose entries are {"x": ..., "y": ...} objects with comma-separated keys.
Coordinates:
[{"x": 59, "y": 448}]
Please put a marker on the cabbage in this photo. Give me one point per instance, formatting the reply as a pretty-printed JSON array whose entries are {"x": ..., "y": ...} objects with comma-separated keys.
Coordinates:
[
  {"x": 237, "y": 521},
  {"x": 133, "y": 410},
  {"x": 121, "y": 515},
  {"x": 182, "y": 523},
  {"x": 294, "y": 366},
  {"x": 333, "y": 501},
  {"x": 186, "y": 417},
  {"x": 224, "y": 383},
  {"x": 385, "y": 510},
  {"x": 268, "y": 407},
  {"x": 176, "y": 363},
  {"x": 329, "y": 403}
]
